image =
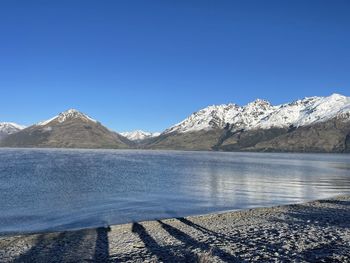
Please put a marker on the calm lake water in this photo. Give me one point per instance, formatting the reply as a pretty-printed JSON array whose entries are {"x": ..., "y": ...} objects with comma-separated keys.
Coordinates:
[{"x": 68, "y": 189}]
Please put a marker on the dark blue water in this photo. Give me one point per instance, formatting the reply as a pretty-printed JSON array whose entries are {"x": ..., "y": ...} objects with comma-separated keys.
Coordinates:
[{"x": 68, "y": 189}]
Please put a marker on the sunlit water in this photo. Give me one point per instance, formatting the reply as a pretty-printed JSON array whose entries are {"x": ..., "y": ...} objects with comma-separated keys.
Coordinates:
[{"x": 69, "y": 189}]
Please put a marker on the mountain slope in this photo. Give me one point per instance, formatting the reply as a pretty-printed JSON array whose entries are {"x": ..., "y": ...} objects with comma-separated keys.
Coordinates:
[
  {"x": 7, "y": 128},
  {"x": 328, "y": 136},
  {"x": 194, "y": 140},
  {"x": 69, "y": 129},
  {"x": 233, "y": 128}
]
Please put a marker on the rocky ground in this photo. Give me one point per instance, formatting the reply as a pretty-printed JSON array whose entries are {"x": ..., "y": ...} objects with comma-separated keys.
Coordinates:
[{"x": 317, "y": 231}]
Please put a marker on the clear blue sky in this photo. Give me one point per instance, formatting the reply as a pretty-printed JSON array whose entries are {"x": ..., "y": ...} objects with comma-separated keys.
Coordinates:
[{"x": 149, "y": 64}]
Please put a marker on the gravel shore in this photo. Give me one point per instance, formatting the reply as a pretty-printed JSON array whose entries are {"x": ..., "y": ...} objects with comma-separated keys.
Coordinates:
[{"x": 317, "y": 231}]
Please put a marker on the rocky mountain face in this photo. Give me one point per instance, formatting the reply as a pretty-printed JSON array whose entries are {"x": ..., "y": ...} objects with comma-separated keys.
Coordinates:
[
  {"x": 139, "y": 135},
  {"x": 7, "y": 128},
  {"x": 329, "y": 136},
  {"x": 70, "y": 129},
  {"x": 315, "y": 124}
]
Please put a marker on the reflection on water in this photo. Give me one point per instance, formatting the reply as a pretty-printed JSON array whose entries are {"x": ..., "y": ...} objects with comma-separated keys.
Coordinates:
[
  {"x": 345, "y": 166},
  {"x": 68, "y": 189}
]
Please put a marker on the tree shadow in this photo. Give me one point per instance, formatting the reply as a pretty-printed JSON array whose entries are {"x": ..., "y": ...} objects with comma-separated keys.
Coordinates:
[
  {"x": 101, "y": 246},
  {"x": 337, "y": 202},
  {"x": 90, "y": 245},
  {"x": 206, "y": 230},
  {"x": 335, "y": 213},
  {"x": 326, "y": 253},
  {"x": 53, "y": 248},
  {"x": 161, "y": 252},
  {"x": 190, "y": 242},
  {"x": 326, "y": 219},
  {"x": 252, "y": 239}
]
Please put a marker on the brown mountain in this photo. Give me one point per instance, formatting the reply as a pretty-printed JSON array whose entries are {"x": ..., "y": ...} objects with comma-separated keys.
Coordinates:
[
  {"x": 70, "y": 129},
  {"x": 329, "y": 136}
]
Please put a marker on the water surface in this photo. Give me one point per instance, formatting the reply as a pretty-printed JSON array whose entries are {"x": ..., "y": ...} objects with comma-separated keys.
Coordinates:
[{"x": 51, "y": 189}]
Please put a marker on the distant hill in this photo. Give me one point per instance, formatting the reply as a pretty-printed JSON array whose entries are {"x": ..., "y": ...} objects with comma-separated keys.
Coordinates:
[
  {"x": 7, "y": 128},
  {"x": 139, "y": 135},
  {"x": 70, "y": 129}
]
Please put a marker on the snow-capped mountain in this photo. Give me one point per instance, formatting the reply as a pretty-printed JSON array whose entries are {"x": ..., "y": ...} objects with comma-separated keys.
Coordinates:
[
  {"x": 139, "y": 135},
  {"x": 69, "y": 129},
  {"x": 67, "y": 115},
  {"x": 260, "y": 114},
  {"x": 314, "y": 124},
  {"x": 7, "y": 128}
]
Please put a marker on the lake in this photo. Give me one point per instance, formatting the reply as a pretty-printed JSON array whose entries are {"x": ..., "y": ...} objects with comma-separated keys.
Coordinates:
[{"x": 54, "y": 189}]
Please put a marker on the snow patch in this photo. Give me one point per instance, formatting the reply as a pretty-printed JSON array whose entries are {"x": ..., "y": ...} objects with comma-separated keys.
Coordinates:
[
  {"x": 139, "y": 135},
  {"x": 10, "y": 127},
  {"x": 67, "y": 115}
]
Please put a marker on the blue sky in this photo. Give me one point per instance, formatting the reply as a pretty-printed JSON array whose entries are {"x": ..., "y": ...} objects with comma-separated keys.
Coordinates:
[{"x": 149, "y": 64}]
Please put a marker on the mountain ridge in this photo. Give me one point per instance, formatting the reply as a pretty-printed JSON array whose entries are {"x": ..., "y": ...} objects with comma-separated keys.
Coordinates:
[
  {"x": 260, "y": 126},
  {"x": 69, "y": 129},
  {"x": 261, "y": 114},
  {"x": 65, "y": 115},
  {"x": 139, "y": 135},
  {"x": 257, "y": 126}
]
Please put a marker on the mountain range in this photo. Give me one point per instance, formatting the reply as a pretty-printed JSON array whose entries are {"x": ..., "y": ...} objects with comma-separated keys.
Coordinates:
[
  {"x": 313, "y": 124},
  {"x": 139, "y": 135}
]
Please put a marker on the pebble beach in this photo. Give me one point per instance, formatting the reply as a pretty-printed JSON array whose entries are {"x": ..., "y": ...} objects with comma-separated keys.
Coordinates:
[{"x": 317, "y": 231}]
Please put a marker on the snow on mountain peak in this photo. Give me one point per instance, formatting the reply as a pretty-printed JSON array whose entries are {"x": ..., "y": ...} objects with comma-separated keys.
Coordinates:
[
  {"x": 7, "y": 128},
  {"x": 259, "y": 102},
  {"x": 215, "y": 116},
  {"x": 4, "y": 125},
  {"x": 337, "y": 96},
  {"x": 72, "y": 114},
  {"x": 139, "y": 135},
  {"x": 67, "y": 115},
  {"x": 261, "y": 114}
]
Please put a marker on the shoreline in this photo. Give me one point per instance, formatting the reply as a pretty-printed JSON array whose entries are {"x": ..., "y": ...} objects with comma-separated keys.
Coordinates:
[
  {"x": 209, "y": 214},
  {"x": 173, "y": 150},
  {"x": 314, "y": 231}
]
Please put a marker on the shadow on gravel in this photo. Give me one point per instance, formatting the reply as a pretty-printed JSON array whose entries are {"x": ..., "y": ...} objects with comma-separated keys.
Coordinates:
[
  {"x": 327, "y": 253},
  {"x": 89, "y": 245},
  {"x": 161, "y": 252},
  {"x": 336, "y": 213},
  {"x": 337, "y": 202},
  {"x": 101, "y": 247},
  {"x": 53, "y": 249},
  {"x": 190, "y": 242},
  {"x": 329, "y": 216},
  {"x": 252, "y": 238},
  {"x": 205, "y": 230}
]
